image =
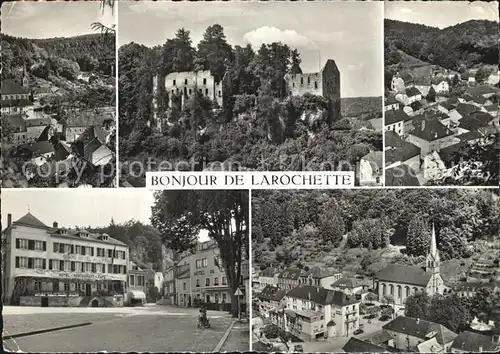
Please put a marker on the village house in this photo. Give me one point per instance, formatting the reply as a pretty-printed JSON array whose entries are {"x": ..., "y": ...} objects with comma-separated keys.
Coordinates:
[
  {"x": 469, "y": 289},
  {"x": 483, "y": 90},
  {"x": 35, "y": 127},
  {"x": 318, "y": 276},
  {"x": 313, "y": 312},
  {"x": 445, "y": 107},
  {"x": 391, "y": 103},
  {"x": 77, "y": 121},
  {"x": 61, "y": 267},
  {"x": 410, "y": 95},
  {"x": 15, "y": 97},
  {"x": 430, "y": 135},
  {"x": 440, "y": 85},
  {"x": 289, "y": 278},
  {"x": 400, "y": 281},
  {"x": 18, "y": 126},
  {"x": 136, "y": 285},
  {"x": 270, "y": 299},
  {"x": 355, "y": 345},
  {"x": 401, "y": 81},
  {"x": 397, "y": 121},
  {"x": 416, "y": 335},
  {"x": 268, "y": 276},
  {"x": 478, "y": 121},
  {"x": 91, "y": 146},
  {"x": 370, "y": 169},
  {"x": 462, "y": 110},
  {"x": 471, "y": 342},
  {"x": 349, "y": 286},
  {"x": 399, "y": 151},
  {"x": 325, "y": 83}
]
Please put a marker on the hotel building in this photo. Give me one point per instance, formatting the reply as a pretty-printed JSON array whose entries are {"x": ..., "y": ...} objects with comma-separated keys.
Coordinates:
[{"x": 54, "y": 266}]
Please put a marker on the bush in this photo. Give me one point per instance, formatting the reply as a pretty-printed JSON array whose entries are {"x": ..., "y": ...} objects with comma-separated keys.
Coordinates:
[{"x": 271, "y": 331}]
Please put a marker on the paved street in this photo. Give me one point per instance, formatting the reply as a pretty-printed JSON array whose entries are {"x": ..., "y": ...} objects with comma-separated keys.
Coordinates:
[
  {"x": 238, "y": 338},
  {"x": 150, "y": 328}
]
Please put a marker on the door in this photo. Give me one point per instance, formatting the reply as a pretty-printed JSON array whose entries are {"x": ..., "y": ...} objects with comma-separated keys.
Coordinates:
[
  {"x": 45, "y": 301},
  {"x": 88, "y": 290}
]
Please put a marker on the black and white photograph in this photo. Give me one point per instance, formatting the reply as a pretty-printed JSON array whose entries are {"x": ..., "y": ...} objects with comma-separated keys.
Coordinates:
[
  {"x": 58, "y": 94},
  {"x": 376, "y": 270},
  {"x": 250, "y": 86},
  {"x": 441, "y": 93},
  {"x": 125, "y": 270}
]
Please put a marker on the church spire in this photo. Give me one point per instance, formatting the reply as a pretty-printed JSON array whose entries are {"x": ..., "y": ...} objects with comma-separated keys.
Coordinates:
[{"x": 433, "y": 249}]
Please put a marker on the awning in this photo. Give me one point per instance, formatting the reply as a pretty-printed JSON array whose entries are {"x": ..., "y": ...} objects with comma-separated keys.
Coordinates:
[{"x": 137, "y": 294}]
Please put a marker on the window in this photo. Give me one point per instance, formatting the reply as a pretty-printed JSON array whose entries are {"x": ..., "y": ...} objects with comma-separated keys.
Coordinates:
[
  {"x": 204, "y": 81},
  {"x": 185, "y": 81},
  {"x": 21, "y": 243},
  {"x": 308, "y": 80},
  {"x": 184, "y": 286},
  {"x": 173, "y": 82},
  {"x": 66, "y": 286},
  {"x": 61, "y": 247},
  {"x": 204, "y": 263},
  {"x": 216, "y": 281},
  {"x": 302, "y": 81},
  {"x": 67, "y": 265},
  {"x": 197, "y": 283},
  {"x": 315, "y": 84},
  {"x": 132, "y": 280},
  {"x": 140, "y": 280},
  {"x": 110, "y": 253},
  {"x": 38, "y": 263},
  {"x": 61, "y": 265},
  {"x": 31, "y": 244},
  {"x": 190, "y": 91},
  {"x": 93, "y": 268},
  {"x": 78, "y": 249},
  {"x": 220, "y": 93},
  {"x": 73, "y": 266},
  {"x": 21, "y": 262},
  {"x": 207, "y": 282},
  {"x": 224, "y": 281},
  {"x": 206, "y": 92}
]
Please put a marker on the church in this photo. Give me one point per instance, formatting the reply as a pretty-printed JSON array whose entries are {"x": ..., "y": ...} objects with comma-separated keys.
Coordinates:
[{"x": 400, "y": 281}]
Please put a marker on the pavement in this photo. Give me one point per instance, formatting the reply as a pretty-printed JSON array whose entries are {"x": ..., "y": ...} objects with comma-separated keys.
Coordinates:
[{"x": 152, "y": 328}]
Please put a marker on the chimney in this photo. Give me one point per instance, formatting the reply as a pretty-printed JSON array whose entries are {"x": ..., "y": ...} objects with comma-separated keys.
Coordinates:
[
  {"x": 418, "y": 320},
  {"x": 55, "y": 224},
  {"x": 9, "y": 220}
]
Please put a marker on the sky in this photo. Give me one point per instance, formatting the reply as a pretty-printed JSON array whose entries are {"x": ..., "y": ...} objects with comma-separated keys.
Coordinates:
[
  {"x": 440, "y": 14},
  {"x": 80, "y": 206},
  {"x": 348, "y": 32},
  {"x": 30, "y": 19}
]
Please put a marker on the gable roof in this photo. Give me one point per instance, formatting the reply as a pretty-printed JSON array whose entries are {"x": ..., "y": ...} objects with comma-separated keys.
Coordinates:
[
  {"x": 90, "y": 141},
  {"x": 430, "y": 129},
  {"x": 466, "y": 109},
  {"x": 476, "y": 120},
  {"x": 355, "y": 345},
  {"x": 412, "y": 91},
  {"x": 268, "y": 272},
  {"x": 391, "y": 99},
  {"x": 38, "y": 122},
  {"x": 30, "y": 220},
  {"x": 449, "y": 106},
  {"x": 491, "y": 107},
  {"x": 317, "y": 272},
  {"x": 16, "y": 121},
  {"x": 348, "y": 283},
  {"x": 395, "y": 116},
  {"x": 272, "y": 293},
  {"x": 472, "y": 135},
  {"x": 402, "y": 274},
  {"x": 407, "y": 78},
  {"x": 421, "y": 329},
  {"x": 322, "y": 296},
  {"x": 471, "y": 342},
  {"x": 41, "y": 147},
  {"x": 402, "y": 175},
  {"x": 482, "y": 90},
  {"x": 9, "y": 87},
  {"x": 290, "y": 273},
  {"x": 74, "y": 234}
]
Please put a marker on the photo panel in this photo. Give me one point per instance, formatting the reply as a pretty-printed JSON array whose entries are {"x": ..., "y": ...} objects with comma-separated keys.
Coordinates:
[
  {"x": 375, "y": 270},
  {"x": 442, "y": 93},
  {"x": 58, "y": 94},
  {"x": 127, "y": 270},
  {"x": 248, "y": 87}
]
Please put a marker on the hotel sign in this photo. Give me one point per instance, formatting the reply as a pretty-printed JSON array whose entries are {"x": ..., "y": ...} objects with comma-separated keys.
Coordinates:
[
  {"x": 199, "y": 272},
  {"x": 72, "y": 275}
]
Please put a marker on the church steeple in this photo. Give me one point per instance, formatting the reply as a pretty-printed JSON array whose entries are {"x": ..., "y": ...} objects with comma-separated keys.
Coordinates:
[
  {"x": 433, "y": 262},
  {"x": 26, "y": 82}
]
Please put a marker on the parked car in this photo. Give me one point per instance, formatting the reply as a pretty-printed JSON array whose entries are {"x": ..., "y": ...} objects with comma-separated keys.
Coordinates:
[
  {"x": 298, "y": 348},
  {"x": 358, "y": 331},
  {"x": 369, "y": 317},
  {"x": 384, "y": 317}
]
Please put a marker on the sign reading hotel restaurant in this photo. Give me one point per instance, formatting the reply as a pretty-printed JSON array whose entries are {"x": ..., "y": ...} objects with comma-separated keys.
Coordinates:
[{"x": 71, "y": 275}]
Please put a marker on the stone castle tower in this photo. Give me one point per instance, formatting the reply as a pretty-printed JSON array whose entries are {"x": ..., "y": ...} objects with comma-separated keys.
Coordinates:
[{"x": 432, "y": 264}]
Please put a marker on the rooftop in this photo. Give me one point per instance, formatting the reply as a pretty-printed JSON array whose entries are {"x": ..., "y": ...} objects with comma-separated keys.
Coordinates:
[
  {"x": 355, "y": 345},
  {"x": 421, "y": 329},
  {"x": 472, "y": 342},
  {"x": 322, "y": 296},
  {"x": 413, "y": 91},
  {"x": 290, "y": 273},
  {"x": 482, "y": 90},
  {"x": 430, "y": 129},
  {"x": 395, "y": 116},
  {"x": 348, "y": 283},
  {"x": 272, "y": 293},
  {"x": 375, "y": 159},
  {"x": 9, "y": 87},
  {"x": 402, "y": 274}
]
